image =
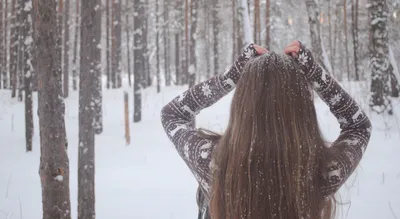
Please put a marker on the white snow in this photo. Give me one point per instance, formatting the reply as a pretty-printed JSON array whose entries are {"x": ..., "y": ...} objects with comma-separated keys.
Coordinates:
[{"x": 148, "y": 179}]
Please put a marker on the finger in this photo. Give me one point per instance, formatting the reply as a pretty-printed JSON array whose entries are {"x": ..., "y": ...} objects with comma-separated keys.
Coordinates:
[{"x": 292, "y": 49}]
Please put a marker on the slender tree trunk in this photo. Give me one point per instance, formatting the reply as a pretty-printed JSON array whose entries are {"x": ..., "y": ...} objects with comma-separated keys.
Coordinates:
[
  {"x": 146, "y": 80},
  {"x": 75, "y": 56},
  {"x": 166, "y": 44},
  {"x": 118, "y": 34},
  {"x": 177, "y": 61},
  {"x": 128, "y": 47},
  {"x": 216, "y": 24},
  {"x": 87, "y": 88},
  {"x": 54, "y": 163},
  {"x": 113, "y": 45},
  {"x": 313, "y": 13},
  {"x": 346, "y": 39},
  {"x": 207, "y": 39},
  {"x": 158, "y": 49},
  {"x": 234, "y": 32},
  {"x": 20, "y": 48},
  {"x": 108, "y": 49},
  {"x": 5, "y": 50},
  {"x": 245, "y": 21},
  {"x": 138, "y": 58},
  {"x": 28, "y": 70},
  {"x": 97, "y": 90},
  {"x": 193, "y": 40},
  {"x": 13, "y": 48},
  {"x": 66, "y": 49},
  {"x": 2, "y": 31},
  {"x": 354, "y": 10},
  {"x": 257, "y": 25},
  {"x": 330, "y": 32},
  {"x": 379, "y": 57},
  {"x": 268, "y": 24}
]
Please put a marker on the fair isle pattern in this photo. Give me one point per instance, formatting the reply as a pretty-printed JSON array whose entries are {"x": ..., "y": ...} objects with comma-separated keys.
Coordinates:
[
  {"x": 178, "y": 115},
  {"x": 177, "y": 118}
]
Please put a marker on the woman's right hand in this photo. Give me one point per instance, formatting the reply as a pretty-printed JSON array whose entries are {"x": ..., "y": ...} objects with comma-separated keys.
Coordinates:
[{"x": 301, "y": 54}]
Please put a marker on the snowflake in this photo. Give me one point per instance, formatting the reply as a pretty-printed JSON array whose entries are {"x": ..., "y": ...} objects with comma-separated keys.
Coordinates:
[
  {"x": 248, "y": 53},
  {"x": 335, "y": 99},
  {"x": 181, "y": 97},
  {"x": 206, "y": 90},
  {"x": 303, "y": 59},
  {"x": 316, "y": 85},
  {"x": 342, "y": 120}
]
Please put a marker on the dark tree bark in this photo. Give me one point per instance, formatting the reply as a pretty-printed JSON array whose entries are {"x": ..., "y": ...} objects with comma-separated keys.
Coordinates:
[
  {"x": 66, "y": 49},
  {"x": 2, "y": 31},
  {"x": 20, "y": 48},
  {"x": 166, "y": 44},
  {"x": 54, "y": 163},
  {"x": 108, "y": 49},
  {"x": 257, "y": 23},
  {"x": 75, "y": 56},
  {"x": 379, "y": 57},
  {"x": 216, "y": 25},
  {"x": 192, "y": 48},
  {"x": 146, "y": 80},
  {"x": 118, "y": 34},
  {"x": 139, "y": 66},
  {"x": 97, "y": 90},
  {"x": 128, "y": 47},
  {"x": 13, "y": 49},
  {"x": 116, "y": 45},
  {"x": 158, "y": 49},
  {"x": 87, "y": 88},
  {"x": 178, "y": 76},
  {"x": 28, "y": 70},
  {"x": 354, "y": 13}
]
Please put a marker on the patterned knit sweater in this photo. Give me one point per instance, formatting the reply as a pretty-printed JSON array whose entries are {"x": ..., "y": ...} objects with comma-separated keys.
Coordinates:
[{"x": 177, "y": 119}]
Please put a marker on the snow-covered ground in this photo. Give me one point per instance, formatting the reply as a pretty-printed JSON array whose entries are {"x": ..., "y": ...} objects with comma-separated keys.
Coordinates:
[{"x": 148, "y": 180}]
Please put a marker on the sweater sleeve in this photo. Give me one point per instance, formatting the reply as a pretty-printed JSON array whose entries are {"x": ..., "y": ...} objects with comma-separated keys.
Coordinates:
[
  {"x": 177, "y": 118},
  {"x": 347, "y": 150}
]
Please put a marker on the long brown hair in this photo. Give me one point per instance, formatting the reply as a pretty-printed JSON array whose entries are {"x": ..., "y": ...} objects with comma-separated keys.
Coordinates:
[{"x": 268, "y": 163}]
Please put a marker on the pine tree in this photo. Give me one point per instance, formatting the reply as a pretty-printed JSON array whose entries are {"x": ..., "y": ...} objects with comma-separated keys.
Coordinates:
[
  {"x": 88, "y": 78},
  {"x": 139, "y": 66},
  {"x": 54, "y": 163}
]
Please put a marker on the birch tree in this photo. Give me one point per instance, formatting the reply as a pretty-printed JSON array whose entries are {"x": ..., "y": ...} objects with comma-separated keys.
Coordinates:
[{"x": 381, "y": 68}]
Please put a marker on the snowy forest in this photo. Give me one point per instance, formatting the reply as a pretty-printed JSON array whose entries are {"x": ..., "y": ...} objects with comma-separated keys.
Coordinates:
[{"x": 82, "y": 83}]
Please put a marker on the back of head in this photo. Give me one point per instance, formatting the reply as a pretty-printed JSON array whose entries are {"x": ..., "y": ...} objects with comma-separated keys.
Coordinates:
[{"x": 268, "y": 161}]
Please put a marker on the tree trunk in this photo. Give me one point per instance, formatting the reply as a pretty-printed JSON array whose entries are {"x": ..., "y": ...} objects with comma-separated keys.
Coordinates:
[
  {"x": 54, "y": 163},
  {"x": 128, "y": 47},
  {"x": 75, "y": 56},
  {"x": 13, "y": 48},
  {"x": 245, "y": 21},
  {"x": 177, "y": 61},
  {"x": 268, "y": 24},
  {"x": 316, "y": 43},
  {"x": 108, "y": 49},
  {"x": 216, "y": 24},
  {"x": 60, "y": 36},
  {"x": 346, "y": 39},
  {"x": 166, "y": 44},
  {"x": 193, "y": 40},
  {"x": 114, "y": 60},
  {"x": 27, "y": 35},
  {"x": 5, "y": 50},
  {"x": 257, "y": 25},
  {"x": 157, "y": 49},
  {"x": 118, "y": 35},
  {"x": 234, "y": 32},
  {"x": 2, "y": 31},
  {"x": 354, "y": 10},
  {"x": 138, "y": 25},
  {"x": 87, "y": 88},
  {"x": 20, "y": 48},
  {"x": 379, "y": 57},
  {"x": 146, "y": 79},
  {"x": 66, "y": 49},
  {"x": 97, "y": 90}
]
